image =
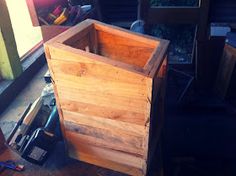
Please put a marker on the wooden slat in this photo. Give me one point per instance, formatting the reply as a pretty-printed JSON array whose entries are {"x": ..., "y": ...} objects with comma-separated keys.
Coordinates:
[
  {"x": 111, "y": 139},
  {"x": 103, "y": 112},
  {"x": 107, "y": 124},
  {"x": 73, "y": 54},
  {"x": 173, "y": 15},
  {"x": 107, "y": 37},
  {"x": 110, "y": 155},
  {"x": 89, "y": 68},
  {"x": 148, "y": 40},
  {"x": 203, "y": 25},
  {"x": 92, "y": 159},
  {"x": 127, "y": 51},
  {"x": 120, "y": 103}
]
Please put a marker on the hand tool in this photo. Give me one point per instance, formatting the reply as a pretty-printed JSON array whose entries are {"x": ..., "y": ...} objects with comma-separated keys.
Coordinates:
[
  {"x": 17, "y": 136},
  {"x": 11, "y": 165},
  {"x": 42, "y": 141}
]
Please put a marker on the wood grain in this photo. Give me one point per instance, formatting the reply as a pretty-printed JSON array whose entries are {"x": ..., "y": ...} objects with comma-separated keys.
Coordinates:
[{"x": 106, "y": 81}]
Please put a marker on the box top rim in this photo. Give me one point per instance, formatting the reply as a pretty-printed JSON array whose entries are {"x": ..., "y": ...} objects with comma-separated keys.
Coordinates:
[{"x": 153, "y": 63}]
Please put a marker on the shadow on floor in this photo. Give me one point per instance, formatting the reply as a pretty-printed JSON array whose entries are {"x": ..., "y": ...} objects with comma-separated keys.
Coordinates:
[{"x": 199, "y": 135}]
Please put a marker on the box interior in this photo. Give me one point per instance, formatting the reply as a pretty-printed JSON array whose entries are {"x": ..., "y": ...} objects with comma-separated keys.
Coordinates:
[{"x": 112, "y": 46}]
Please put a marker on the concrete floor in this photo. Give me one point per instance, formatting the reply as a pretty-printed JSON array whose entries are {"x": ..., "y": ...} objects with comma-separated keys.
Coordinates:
[{"x": 30, "y": 93}]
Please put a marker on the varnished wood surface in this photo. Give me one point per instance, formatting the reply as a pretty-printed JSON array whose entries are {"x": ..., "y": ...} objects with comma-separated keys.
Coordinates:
[{"x": 106, "y": 82}]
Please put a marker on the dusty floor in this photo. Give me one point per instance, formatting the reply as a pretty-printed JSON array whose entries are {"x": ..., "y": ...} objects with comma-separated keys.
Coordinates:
[{"x": 27, "y": 96}]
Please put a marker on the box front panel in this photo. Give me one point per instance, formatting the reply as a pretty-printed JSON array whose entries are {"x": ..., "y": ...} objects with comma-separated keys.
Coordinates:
[{"x": 104, "y": 108}]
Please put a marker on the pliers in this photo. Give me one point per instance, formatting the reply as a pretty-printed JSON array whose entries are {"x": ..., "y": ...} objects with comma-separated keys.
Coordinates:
[{"x": 11, "y": 165}]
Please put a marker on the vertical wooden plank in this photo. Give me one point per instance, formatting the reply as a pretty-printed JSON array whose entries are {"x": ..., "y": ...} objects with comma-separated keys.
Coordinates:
[
  {"x": 202, "y": 29},
  {"x": 32, "y": 12},
  {"x": 226, "y": 68},
  {"x": 143, "y": 10},
  {"x": 2, "y": 140},
  {"x": 143, "y": 6},
  {"x": 201, "y": 44},
  {"x": 10, "y": 66}
]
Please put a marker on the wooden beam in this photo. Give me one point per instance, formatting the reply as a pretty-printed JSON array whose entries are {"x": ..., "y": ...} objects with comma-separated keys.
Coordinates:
[
  {"x": 202, "y": 29},
  {"x": 173, "y": 15},
  {"x": 202, "y": 41},
  {"x": 32, "y": 12},
  {"x": 2, "y": 141},
  {"x": 143, "y": 7},
  {"x": 10, "y": 65}
]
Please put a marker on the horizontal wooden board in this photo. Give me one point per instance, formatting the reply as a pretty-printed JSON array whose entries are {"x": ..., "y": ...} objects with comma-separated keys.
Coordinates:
[
  {"x": 107, "y": 124},
  {"x": 121, "y": 138},
  {"x": 95, "y": 70},
  {"x": 103, "y": 112},
  {"x": 109, "y": 37},
  {"x": 67, "y": 53},
  {"x": 121, "y": 103},
  {"x": 105, "y": 154},
  {"x": 99, "y": 85},
  {"x": 173, "y": 15},
  {"x": 127, "y": 51},
  {"x": 92, "y": 159},
  {"x": 129, "y": 35},
  {"x": 99, "y": 138}
]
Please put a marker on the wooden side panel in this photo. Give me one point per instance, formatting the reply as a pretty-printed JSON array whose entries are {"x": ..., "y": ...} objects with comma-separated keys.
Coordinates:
[
  {"x": 158, "y": 111},
  {"x": 127, "y": 51},
  {"x": 90, "y": 85},
  {"x": 111, "y": 139},
  {"x": 105, "y": 109}
]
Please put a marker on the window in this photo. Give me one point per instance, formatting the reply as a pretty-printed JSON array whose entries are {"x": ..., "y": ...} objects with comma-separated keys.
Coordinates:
[{"x": 26, "y": 35}]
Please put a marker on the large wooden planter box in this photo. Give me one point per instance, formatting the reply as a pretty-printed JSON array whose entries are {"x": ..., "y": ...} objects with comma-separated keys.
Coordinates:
[{"x": 107, "y": 81}]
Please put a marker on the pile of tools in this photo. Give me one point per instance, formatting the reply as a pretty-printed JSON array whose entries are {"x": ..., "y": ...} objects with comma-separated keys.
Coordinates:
[
  {"x": 62, "y": 13},
  {"x": 37, "y": 132}
]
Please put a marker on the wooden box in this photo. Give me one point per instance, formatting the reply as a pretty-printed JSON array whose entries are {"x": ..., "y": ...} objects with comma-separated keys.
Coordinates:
[{"x": 107, "y": 81}]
